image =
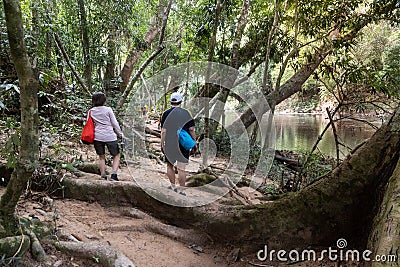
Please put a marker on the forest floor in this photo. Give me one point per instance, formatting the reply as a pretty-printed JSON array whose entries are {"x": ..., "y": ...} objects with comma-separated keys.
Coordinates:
[{"x": 92, "y": 222}]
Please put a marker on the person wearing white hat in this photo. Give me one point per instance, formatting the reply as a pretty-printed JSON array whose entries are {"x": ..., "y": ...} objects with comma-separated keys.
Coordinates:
[{"x": 172, "y": 120}]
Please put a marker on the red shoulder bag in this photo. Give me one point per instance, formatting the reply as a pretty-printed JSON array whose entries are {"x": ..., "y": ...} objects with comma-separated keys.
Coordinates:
[{"x": 88, "y": 131}]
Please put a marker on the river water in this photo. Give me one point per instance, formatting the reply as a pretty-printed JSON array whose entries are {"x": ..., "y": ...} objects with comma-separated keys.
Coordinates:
[{"x": 299, "y": 132}]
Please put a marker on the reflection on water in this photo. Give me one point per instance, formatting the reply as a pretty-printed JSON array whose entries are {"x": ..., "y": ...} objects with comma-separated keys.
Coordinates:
[{"x": 299, "y": 132}]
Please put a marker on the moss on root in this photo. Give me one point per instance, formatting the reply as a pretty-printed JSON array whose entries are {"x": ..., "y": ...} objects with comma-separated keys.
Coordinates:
[{"x": 14, "y": 246}]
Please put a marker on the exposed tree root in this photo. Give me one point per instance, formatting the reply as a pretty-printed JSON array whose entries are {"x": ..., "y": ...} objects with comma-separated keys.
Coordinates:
[
  {"x": 98, "y": 252},
  {"x": 36, "y": 248},
  {"x": 153, "y": 225}
]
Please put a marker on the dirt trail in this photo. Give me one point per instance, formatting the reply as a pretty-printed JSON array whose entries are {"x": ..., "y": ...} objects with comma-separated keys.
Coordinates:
[{"x": 93, "y": 222}]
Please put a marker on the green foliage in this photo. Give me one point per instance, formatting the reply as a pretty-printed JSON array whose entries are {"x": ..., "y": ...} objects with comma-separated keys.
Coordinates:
[
  {"x": 224, "y": 146},
  {"x": 391, "y": 66},
  {"x": 222, "y": 141},
  {"x": 268, "y": 189},
  {"x": 326, "y": 13},
  {"x": 254, "y": 156},
  {"x": 367, "y": 70},
  {"x": 62, "y": 108},
  {"x": 9, "y": 98},
  {"x": 308, "y": 100},
  {"x": 260, "y": 25},
  {"x": 10, "y": 149},
  {"x": 315, "y": 166}
]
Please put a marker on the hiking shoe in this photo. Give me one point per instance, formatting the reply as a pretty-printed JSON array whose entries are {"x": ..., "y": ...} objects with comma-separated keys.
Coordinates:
[
  {"x": 104, "y": 177},
  {"x": 182, "y": 193},
  {"x": 114, "y": 177},
  {"x": 174, "y": 189}
]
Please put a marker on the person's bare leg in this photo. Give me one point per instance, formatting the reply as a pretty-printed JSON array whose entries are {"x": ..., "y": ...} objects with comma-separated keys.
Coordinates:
[
  {"x": 115, "y": 163},
  {"x": 182, "y": 177},
  {"x": 102, "y": 165},
  {"x": 171, "y": 174},
  {"x": 181, "y": 174}
]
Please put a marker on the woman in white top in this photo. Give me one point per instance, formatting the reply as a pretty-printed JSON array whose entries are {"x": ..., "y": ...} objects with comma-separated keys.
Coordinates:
[{"x": 106, "y": 133}]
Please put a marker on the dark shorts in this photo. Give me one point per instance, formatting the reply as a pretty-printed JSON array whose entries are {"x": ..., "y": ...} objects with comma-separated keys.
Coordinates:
[
  {"x": 111, "y": 146},
  {"x": 173, "y": 153}
]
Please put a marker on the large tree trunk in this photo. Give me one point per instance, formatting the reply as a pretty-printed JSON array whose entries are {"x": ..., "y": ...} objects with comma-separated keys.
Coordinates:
[
  {"x": 341, "y": 205},
  {"x": 235, "y": 60},
  {"x": 29, "y": 148},
  {"x": 134, "y": 56},
  {"x": 385, "y": 239}
]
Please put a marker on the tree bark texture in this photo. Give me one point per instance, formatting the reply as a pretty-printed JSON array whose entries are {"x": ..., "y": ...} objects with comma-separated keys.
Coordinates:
[
  {"x": 341, "y": 205},
  {"x": 385, "y": 239},
  {"x": 29, "y": 148},
  {"x": 134, "y": 56}
]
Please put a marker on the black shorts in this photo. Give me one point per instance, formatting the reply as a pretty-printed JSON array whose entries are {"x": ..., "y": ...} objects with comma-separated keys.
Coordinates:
[
  {"x": 173, "y": 153},
  {"x": 111, "y": 146}
]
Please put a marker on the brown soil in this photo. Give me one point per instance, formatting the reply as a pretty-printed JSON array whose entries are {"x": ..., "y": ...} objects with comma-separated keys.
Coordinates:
[{"x": 92, "y": 222}]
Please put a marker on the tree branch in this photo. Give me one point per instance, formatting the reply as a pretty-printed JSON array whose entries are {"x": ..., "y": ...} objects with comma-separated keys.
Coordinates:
[
  {"x": 160, "y": 47},
  {"x": 71, "y": 66}
]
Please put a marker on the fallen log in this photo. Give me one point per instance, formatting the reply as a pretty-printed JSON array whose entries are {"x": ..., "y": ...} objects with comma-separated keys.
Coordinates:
[
  {"x": 152, "y": 132},
  {"x": 280, "y": 157}
]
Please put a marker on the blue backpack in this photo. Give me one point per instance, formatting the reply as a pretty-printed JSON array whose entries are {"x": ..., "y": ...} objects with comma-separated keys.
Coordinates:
[{"x": 185, "y": 139}]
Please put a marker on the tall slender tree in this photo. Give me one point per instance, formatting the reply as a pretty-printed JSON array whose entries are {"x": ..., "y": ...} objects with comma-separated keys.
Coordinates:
[
  {"x": 85, "y": 44},
  {"x": 29, "y": 147}
]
